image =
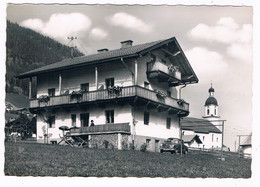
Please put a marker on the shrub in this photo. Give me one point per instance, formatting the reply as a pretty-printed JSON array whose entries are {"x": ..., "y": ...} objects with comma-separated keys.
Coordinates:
[
  {"x": 111, "y": 146},
  {"x": 144, "y": 147},
  {"x": 124, "y": 145},
  {"x": 131, "y": 146}
]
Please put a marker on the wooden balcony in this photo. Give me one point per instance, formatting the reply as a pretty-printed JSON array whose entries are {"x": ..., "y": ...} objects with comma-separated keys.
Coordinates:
[
  {"x": 133, "y": 93},
  {"x": 123, "y": 128},
  {"x": 162, "y": 72}
]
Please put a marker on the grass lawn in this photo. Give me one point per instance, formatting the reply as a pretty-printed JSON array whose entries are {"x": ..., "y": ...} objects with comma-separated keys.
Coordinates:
[{"x": 31, "y": 159}]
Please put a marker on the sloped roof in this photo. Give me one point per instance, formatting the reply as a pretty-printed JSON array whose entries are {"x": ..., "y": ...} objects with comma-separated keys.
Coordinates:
[
  {"x": 199, "y": 125},
  {"x": 211, "y": 101},
  {"x": 247, "y": 141},
  {"x": 19, "y": 101},
  {"x": 126, "y": 52},
  {"x": 122, "y": 52},
  {"x": 189, "y": 138}
]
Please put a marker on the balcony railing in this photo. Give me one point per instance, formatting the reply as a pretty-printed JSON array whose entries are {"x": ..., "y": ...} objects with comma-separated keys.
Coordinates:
[
  {"x": 163, "y": 68},
  {"x": 105, "y": 95},
  {"x": 101, "y": 129}
]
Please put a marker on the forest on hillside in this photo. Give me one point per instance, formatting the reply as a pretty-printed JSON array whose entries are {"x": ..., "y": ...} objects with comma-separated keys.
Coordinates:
[{"x": 27, "y": 50}]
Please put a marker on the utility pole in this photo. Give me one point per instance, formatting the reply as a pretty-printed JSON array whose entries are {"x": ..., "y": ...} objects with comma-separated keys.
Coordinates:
[
  {"x": 72, "y": 48},
  {"x": 222, "y": 141}
]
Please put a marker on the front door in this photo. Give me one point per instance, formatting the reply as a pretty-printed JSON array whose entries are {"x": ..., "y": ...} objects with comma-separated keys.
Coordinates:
[
  {"x": 84, "y": 119},
  {"x": 156, "y": 149}
]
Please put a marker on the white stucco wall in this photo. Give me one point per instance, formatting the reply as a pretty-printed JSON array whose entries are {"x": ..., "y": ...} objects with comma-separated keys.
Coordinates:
[
  {"x": 207, "y": 140},
  {"x": 247, "y": 149},
  {"x": 157, "y": 124}
]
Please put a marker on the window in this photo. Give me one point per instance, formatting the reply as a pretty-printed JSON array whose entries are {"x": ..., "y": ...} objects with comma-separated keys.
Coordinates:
[
  {"x": 146, "y": 84},
  {"x": 207, "y": 111},
  {"x": 217, "y": 139},
  {"x": 203, "y": 138},
  {"x": 169, "y": 94},
  {"x": 182, "y": 132},
  {"x": 109, "y": 116},
  {"x": 168, "y": 123},
  {"x": 215, "y": 111},
  {"x": 212, "y": 137},
  {"x": 52, "y": 122},
  {"x": 84, "y": 119},
  {"x": 84, "y": 87},
  {"x": 146, "y": 118},
  {"x": 73, "y": 120},
  {"x": 110, "y": 82},
  {"x": 51, "y": 92},
  {"x": 148, "y": 141}
]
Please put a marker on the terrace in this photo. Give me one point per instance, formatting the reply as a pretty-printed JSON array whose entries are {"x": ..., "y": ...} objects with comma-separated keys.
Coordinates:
[
  {"x": 102, "y": 129},
  {"x": 134, "y": 93}
]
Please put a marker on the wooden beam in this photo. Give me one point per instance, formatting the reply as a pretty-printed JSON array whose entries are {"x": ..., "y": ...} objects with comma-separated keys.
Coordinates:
[
  {"x": 60, "y": 81},
  {"x": 30, "y": 88},
  {"x": 96, "y": 78},
  {"x": 170, "y": 53}
]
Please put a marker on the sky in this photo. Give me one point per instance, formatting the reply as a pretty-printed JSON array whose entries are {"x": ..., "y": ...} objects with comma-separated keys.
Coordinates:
[{"x": 217, "y": 41}]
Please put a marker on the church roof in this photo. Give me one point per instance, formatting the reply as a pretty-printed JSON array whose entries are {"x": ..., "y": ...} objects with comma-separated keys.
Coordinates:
[
  {"x": 199, "y": 125},
  {"x": 211, "y": 101}
]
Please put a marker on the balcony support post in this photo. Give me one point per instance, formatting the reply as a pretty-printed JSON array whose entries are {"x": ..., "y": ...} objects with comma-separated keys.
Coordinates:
[
  {"x": 30, "y": 88},
  {"x": 119, "y": 143},
  {"x": 96, "y": 78},
  {"x": 60, "y": 80},
  {"x": 136, "y": 72}
]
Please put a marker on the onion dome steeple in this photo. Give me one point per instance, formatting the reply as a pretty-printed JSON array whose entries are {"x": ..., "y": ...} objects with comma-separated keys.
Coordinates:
[{"x": 211, "y": 104}]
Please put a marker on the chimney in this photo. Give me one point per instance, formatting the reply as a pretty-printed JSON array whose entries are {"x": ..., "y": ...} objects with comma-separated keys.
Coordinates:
[
  {"x": 127, "y": 43},
  {"x": 102, "y": 50}
]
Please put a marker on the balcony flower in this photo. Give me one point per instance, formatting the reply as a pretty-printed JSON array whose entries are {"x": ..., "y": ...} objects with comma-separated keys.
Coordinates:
[
  {"x": 44, "y": 98},
  {"x": 160, "y": 94},
  {"x": 76, "y": 94},
  {"x": 180, "y": 101},
  {"x": 115, "y": 89}
]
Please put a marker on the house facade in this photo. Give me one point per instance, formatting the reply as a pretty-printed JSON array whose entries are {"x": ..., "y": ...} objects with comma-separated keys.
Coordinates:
[{"x": 131, "y": 94}]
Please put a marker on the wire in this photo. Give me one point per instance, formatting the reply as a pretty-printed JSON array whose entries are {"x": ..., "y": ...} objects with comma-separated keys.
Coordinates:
[{"x": 82, "y": 46}]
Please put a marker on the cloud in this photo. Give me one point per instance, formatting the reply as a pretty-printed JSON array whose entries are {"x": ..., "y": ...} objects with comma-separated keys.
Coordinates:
[
  {"x": 205, "y": 62},
  {"x": 35, "y": 24},
  {"x": 60, "y": 26},
  {"x": 241, "y": 51},
  {"x": 226, "y": 31},
  {"x": 131, "y": 22},
  {"x": 98, "y": 34}
]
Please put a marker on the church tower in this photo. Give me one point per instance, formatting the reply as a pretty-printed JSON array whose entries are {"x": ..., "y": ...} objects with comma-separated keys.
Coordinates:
[{"x": 211, "y": 107}]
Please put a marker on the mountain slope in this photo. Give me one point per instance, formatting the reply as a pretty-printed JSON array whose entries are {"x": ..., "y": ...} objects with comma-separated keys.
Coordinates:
[{"x": 27, "y": 50}]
